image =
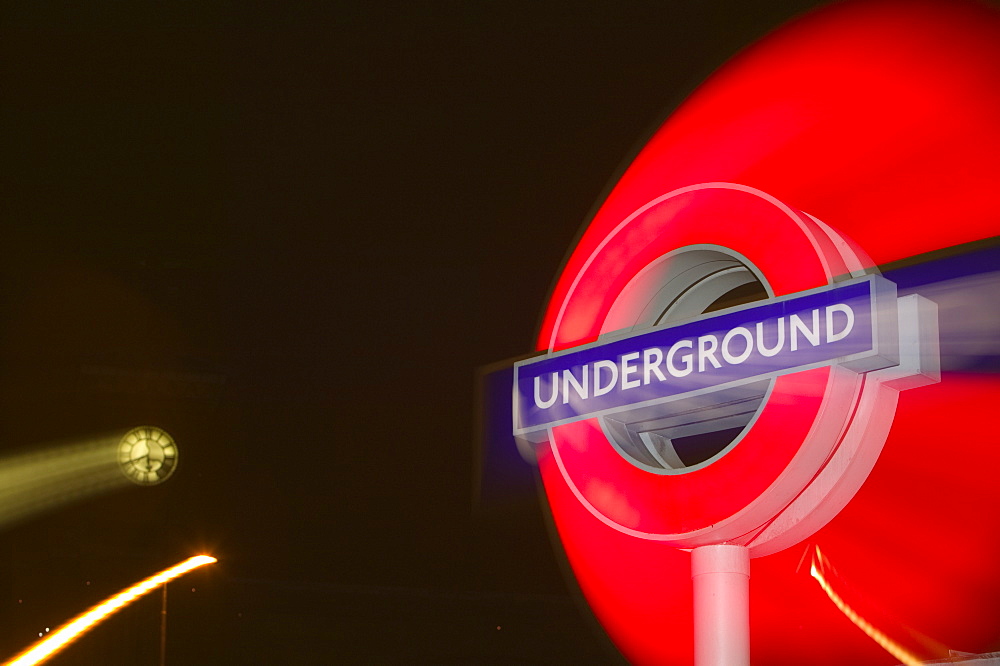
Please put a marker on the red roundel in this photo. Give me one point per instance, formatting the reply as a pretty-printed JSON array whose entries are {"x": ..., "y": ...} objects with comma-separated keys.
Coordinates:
[
  {"x": 770, "y": 464},
  {"x": 878, "y": 118}
]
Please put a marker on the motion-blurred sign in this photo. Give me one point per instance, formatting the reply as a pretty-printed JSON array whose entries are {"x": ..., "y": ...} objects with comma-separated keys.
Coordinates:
[
  {"x": 722, "y": 373},
  {"x": 722, "y": 364},
  {"x": 656, "y": 415}
]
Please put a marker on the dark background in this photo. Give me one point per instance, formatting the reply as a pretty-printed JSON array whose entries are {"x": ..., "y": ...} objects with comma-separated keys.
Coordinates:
[{"x": 290, "y": 234}]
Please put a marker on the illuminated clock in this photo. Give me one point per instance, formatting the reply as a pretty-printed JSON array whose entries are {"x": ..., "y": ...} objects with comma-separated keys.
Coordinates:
[{"x": 147, "y": 455}]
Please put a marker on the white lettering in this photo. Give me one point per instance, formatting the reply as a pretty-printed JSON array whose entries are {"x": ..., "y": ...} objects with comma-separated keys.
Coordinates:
[
  {"x": 728, "y": 355},
  {"x": 553, "y": 384},
  {"x": 570, "y": 380},
  {"x": 610, "y": 366},
  {"x": 762, "y": 348},
  {"x": 629, "y": 369},
  {"x": 799, "y": 326},
  {"x": 685, "y": 359},
  {"x": 651, "y": 366},
  {"x": 707, "y": 346},
  {"x": 577, "y": 384},
  {"x": 848, "y": 327}
]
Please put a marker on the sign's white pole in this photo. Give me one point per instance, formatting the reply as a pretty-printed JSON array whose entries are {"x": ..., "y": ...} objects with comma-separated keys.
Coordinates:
[{"x": 721, "y": 576}]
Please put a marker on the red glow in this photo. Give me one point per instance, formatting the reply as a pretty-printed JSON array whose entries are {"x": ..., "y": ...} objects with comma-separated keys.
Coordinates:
[
  {"x": 919, "y": 540},
  {"x": 876, "y": 117},
  {"x": 880, "y": 119}
]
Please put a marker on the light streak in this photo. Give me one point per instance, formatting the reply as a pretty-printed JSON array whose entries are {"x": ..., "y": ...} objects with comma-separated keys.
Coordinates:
[
  {"x": 68, "y": 632},
  {"x": 42, "y": 480},
  {"x": 890, "y": 646}
]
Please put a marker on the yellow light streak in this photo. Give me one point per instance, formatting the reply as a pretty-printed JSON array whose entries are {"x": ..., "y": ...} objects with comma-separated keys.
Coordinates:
[
  {"x": 864, "y": 625},
  {"x": 44, "y": 479},
  {"x": 70, "y": 631},
  {"x": 41, "y": 480}
]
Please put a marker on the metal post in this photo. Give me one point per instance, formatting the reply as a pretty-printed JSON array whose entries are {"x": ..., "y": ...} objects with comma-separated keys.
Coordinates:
[
  {"x": 163, "y": 627},
  {"x": 721, "y": 576}
]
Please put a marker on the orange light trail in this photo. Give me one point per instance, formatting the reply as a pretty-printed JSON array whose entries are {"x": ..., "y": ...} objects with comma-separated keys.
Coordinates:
[
  {"x": 67, "y": 633},
  {"x": 864, "y": 625}
]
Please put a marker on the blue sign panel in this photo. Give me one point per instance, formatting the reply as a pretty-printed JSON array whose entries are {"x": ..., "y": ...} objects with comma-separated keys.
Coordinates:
[{"x": 850, "y": 323}]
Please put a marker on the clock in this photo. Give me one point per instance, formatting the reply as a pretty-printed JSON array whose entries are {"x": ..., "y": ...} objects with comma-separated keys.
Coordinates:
[{"x": 147, "y": 455}]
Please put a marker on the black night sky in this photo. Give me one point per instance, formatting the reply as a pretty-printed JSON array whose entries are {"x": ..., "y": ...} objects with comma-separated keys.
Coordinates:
[{"x": 289, "y": 234}]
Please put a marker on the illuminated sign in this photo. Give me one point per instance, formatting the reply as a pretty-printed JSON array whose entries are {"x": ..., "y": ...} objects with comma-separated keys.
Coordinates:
[
  {"x": 782, "y": 462},
  {"x": 719, "y": 387},
  {"x": 670, "y": 394},
  {"x": 852, "y": 324}
]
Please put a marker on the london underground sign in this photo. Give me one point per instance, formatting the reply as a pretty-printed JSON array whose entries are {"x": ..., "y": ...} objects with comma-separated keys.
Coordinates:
[
  {"x": 851, "y": 324},
  {"x": 783, "y": 401},
  {"x": 738, "y": 393},
  {"x": 885, "y": 130},
  {"x": 739, "y": 389}
]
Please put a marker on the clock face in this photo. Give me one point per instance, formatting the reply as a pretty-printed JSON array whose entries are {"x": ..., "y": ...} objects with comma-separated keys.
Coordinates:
[{"x": 147, "y": 455}]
